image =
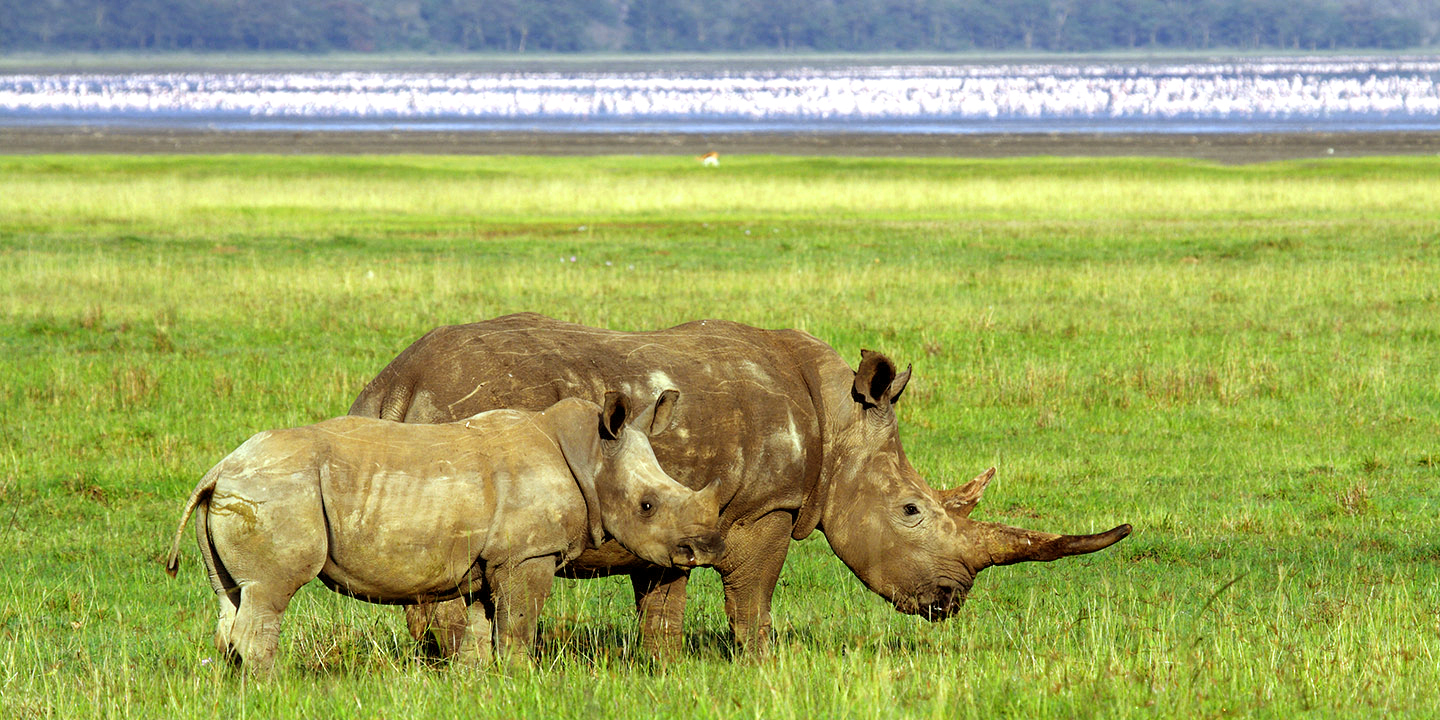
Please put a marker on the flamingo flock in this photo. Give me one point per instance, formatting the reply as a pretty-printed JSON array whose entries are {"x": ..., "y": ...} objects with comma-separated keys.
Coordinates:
[{"x": 1361, "y": 90}]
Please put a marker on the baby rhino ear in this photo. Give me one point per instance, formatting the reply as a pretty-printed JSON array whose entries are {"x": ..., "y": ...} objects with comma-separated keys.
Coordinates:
[
  {"x": 579, "y": 437},
  {"x": 660, "y": 415},
  {"x": 613, "y": 414}
]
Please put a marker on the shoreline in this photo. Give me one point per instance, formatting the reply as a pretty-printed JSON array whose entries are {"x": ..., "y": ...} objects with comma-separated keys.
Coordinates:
[{"x": 1230, "y": 148}]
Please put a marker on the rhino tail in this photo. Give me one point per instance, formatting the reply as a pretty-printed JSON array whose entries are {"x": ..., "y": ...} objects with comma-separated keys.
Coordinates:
[
  {"x": 384, "y": 400},
  {"x": 397, "y": 402},
  {"x": 201, "y": 494}
]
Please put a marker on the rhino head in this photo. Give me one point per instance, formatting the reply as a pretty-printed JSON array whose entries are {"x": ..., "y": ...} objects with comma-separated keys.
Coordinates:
[
  {"x": 911, "y": 543},
  {"x": 627, "y": 494}
]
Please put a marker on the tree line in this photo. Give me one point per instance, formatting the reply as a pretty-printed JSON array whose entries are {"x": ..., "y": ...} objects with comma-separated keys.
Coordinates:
[{"x": 569, "y": 26}]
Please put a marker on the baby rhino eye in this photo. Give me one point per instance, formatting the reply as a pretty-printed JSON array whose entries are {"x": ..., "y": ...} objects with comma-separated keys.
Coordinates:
[
  {"x": 911, "y": 509},
  {"x": 646, "y": 507}
]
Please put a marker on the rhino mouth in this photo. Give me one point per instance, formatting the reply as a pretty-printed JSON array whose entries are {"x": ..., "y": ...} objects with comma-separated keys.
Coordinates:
[
  {"x": 947, "y": 601},
  {"x": 936, "y": 603},
  {"x": 697, "y": 551}
]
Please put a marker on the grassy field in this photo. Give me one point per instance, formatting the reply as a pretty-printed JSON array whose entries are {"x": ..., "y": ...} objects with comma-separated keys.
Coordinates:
[{"x": 1243, "y": 362}]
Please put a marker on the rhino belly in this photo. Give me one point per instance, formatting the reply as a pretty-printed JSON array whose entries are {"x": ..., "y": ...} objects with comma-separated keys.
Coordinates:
[{"x": 406, "y": 540}]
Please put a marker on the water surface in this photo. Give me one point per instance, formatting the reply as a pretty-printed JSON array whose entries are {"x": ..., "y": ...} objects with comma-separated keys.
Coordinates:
[{"x": 1290, "y": 94}]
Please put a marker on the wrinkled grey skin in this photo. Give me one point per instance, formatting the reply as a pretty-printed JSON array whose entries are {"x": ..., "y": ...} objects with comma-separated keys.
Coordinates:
[
  {"x": 791, "y": 435},
  {"x": 484, "y": 510}
]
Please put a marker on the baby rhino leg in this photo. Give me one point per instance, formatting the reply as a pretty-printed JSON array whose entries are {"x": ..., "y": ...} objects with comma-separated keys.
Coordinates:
[
  {"x": 474, "y": 645},
  {"x": 225, "y": 626},
  {"x": 256, "y": 630},
  {"x": 519, "y": 592},
  {"x": 269, "y": 549},
  {"x": 227, "y": 593}
]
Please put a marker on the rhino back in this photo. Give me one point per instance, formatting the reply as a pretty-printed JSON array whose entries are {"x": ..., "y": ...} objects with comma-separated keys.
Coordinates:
[{"x": 748, "y": 412}]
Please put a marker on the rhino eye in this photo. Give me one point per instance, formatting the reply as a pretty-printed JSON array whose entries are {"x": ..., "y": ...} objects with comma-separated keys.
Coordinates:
[
  {"x": 645, "y": 507},
  {"x": 911, "y": 509}
]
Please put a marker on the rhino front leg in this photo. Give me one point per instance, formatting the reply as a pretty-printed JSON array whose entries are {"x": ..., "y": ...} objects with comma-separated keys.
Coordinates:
[
  {"x": 754, "y": 554},
  {"x": 660, "y": 602},
  {"x": 475, "y": 646},
  {"x": 519, "y": 592}
]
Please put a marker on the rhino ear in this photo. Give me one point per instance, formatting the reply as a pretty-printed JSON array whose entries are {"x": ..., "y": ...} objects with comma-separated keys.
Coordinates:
[
  {"x": 961, "y": 501},
  {"x": 878, "y": 382},
  {"x": 897, "y": 385},
  {"x": 660, "y": 415},
  {"x": 579, "y": 436},
  {"x": 613, "y": 414}
]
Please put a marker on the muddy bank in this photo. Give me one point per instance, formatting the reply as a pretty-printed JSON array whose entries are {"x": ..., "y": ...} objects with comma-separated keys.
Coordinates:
[{"x": 1227, "y": 148}]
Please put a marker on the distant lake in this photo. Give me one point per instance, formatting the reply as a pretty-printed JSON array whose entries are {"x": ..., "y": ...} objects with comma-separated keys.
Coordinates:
[{"x": 1290, "y": 94}]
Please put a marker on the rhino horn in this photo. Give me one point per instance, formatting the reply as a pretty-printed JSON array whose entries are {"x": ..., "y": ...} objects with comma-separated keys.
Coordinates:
[
  {"x": 1009, "y": 545},
  {"x": 962, "y": 500}
]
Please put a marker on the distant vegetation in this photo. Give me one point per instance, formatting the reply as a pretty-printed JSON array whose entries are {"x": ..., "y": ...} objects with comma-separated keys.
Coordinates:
[{"x": 517, "y": 26}]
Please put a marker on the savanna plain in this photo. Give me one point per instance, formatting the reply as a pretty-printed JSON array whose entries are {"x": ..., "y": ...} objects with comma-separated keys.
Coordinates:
[{"x": 1241, "y": 361}]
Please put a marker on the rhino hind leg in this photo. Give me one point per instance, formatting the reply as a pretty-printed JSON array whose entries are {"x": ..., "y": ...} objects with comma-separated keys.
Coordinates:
[
  {"x": 225, "y": 626},
  {"x": 227, "y": 594},
  {"x": 439, "y": 627},
  {"x": 224, "y": 634},
  {"x": 268, "y": 550},
  {"x": 256, "y": 630}
]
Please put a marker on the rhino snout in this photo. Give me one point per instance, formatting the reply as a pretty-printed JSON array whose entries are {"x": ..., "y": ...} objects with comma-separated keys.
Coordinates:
[
  {"x": 937, "y": 602},
  {"x": 945, "y": 601},
  {"x": 698, "y": 550}
]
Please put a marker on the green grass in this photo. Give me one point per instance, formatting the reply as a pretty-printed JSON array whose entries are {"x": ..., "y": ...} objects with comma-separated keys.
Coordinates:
[{"x": 1243, "y": 362}]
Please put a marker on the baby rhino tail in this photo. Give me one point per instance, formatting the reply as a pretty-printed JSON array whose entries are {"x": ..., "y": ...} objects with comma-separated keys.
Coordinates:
[{"x": 201, "y": 494}]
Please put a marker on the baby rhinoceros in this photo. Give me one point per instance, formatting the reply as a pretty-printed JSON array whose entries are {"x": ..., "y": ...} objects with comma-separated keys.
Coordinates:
[{"x": 485, "y": 509}]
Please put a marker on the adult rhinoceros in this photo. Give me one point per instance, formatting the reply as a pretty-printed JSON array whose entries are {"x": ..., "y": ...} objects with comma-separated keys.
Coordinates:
[{"x": 795, "y": 439}]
